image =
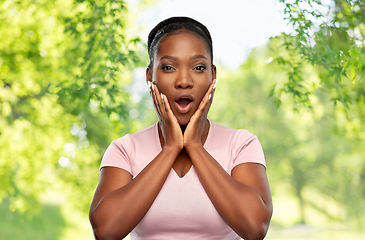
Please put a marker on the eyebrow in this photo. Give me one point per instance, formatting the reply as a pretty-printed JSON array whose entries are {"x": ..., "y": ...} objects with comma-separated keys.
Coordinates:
[
  {"x": 192, "y": 57},
  {"x": 169, "y": 57},
  {"x": 198, "y": 56}
]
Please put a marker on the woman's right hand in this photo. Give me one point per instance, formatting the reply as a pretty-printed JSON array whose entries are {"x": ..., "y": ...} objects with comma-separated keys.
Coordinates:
[{"x": 168, "y": 124}]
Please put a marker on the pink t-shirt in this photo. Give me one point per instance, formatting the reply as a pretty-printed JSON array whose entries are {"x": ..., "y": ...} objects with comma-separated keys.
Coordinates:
[{"x": 182, "y": 209}]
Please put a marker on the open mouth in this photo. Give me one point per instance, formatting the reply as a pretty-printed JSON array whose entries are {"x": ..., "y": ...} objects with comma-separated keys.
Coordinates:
[{"x": 183, "y": 103}]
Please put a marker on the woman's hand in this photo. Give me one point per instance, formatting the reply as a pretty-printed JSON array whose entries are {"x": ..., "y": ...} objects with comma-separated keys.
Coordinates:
[
  {"x": 170, "y": 128},
  {"x": 194, "y": 131}
]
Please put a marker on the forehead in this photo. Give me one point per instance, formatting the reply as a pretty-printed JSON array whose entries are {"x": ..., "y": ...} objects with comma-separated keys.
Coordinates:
[{"x": 183, "y": 41}]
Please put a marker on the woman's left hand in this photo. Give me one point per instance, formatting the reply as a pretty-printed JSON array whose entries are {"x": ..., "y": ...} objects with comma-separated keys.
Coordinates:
[{"x": 197, "y": 124}]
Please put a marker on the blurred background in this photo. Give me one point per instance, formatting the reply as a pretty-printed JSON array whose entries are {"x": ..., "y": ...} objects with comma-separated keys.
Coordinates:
[{"x": 72, "y": 79}]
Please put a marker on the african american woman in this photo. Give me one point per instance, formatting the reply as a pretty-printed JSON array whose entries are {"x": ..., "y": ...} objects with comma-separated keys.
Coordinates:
[{"x": 185, "y": 177}]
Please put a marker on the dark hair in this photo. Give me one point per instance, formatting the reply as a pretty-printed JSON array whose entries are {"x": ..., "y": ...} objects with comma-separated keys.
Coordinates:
[{"x": 172, "y": 24}]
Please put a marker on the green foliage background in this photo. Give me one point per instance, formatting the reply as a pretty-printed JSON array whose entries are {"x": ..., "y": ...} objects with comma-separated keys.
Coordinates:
[{"x": 70, "y": 84}]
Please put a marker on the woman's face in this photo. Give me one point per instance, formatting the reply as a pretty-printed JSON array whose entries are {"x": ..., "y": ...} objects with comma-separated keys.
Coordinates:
[{"x": 182, "y": 70}]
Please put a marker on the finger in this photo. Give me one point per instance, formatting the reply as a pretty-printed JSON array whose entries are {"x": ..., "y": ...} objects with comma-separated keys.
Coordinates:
[
  {"x": 155, "y": 102},
  {"x": 169, "y": 112},
  {"x": 159, "y": 102},
  {"x": 208, "y": 95},
  {"x": 201, "y": 110},
  {"x": 210, "y": 91},
  {"x": 151, "y": 93},
  {"x": 215, "y": 84},
  {"x": 205, "y": 104},
  {"x": 164, "y": 102}
]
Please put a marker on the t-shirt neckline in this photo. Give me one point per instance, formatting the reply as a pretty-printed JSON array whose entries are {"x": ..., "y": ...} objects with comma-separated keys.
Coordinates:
[{"x": 157, "y": 140}]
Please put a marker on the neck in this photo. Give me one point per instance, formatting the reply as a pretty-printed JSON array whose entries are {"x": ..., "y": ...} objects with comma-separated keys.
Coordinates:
[{"x": 183, "y": 127}]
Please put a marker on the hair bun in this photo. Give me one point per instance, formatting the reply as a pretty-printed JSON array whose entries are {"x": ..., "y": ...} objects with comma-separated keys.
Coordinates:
[
  {"x": 159, "y": 28},
  {"x": 175, "y": 23}
]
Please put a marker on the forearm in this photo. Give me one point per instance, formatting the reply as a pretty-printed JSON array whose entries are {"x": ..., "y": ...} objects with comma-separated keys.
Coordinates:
[
  {"x": 116, "y": 215},
  {"x": 242, "y": 208}
]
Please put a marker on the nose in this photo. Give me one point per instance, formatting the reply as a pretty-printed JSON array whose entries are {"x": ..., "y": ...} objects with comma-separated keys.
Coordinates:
[{"x": 184, "y": 80}]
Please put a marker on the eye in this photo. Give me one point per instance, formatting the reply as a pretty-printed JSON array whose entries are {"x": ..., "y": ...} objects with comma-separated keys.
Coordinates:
[
  {"x": 167, "y": 68},
  {"x": 200, "y": 68}
]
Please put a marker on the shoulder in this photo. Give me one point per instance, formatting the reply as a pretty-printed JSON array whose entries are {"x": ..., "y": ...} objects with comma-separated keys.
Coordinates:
[
  {"x": 243, "y": 145},
  {"x": 236, "y": 135},
  {"x": 121, "y": 151},
  {"x": 142, "y": 135}
]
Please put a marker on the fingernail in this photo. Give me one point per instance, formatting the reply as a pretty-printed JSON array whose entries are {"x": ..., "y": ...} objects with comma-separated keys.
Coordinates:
[
  {"x": 215, "y": 84},
  {"x": 210, "y": 95},
  {"x": 149, "y": 84},
  {"x": 153, "y": 87},
  {"x": 161, "y": 96}
]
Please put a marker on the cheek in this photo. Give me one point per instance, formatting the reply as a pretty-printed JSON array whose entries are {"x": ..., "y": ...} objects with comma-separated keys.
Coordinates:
[
  {"x": 160, "y": 82},
  {"x": 166, "y": 88},
  {"x": 163, "y": 88},
  {"x": 204, "y": 85}
]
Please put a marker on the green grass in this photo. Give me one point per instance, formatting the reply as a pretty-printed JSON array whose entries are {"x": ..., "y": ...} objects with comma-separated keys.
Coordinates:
[
  {"x": 318, "y": 227},
  {"x": 48, "y": 224},
  {"x": 310, "y": 232},
  {"x": 53, "y": 222}
]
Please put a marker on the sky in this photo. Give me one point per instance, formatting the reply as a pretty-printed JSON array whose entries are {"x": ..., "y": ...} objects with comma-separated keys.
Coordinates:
[{"x": 236, "y": 26}]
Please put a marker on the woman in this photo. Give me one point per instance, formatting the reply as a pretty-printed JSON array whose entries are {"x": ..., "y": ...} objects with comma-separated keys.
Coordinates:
[{"x": 185, "y": 177}]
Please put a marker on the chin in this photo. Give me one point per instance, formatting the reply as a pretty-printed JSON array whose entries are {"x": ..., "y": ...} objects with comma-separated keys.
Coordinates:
[
  {"x": 183, "y": 123},
  {"x": 184, "y": 120}
]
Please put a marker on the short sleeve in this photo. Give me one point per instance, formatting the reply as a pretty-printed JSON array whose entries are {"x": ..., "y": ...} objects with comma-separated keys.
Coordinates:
[
  {"x": 117, "y": 154},
  {"x": 247, "y": 148}
]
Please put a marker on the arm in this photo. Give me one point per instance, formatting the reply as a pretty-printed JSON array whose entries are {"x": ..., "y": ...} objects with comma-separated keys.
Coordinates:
[
  {"x": 119, "y": 202},
  {"x": 243, "y": 199}
]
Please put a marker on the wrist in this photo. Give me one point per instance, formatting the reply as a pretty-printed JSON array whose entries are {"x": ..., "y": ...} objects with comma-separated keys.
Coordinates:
[
  {"x": 193, "y": 146},
  {"x": 172, "y": 148}
]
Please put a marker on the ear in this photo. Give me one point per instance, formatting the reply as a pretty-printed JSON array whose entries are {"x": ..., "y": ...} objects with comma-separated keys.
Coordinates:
[
  {"x": 149, "y": 74},
  {"x": 214, "y": 72}
]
